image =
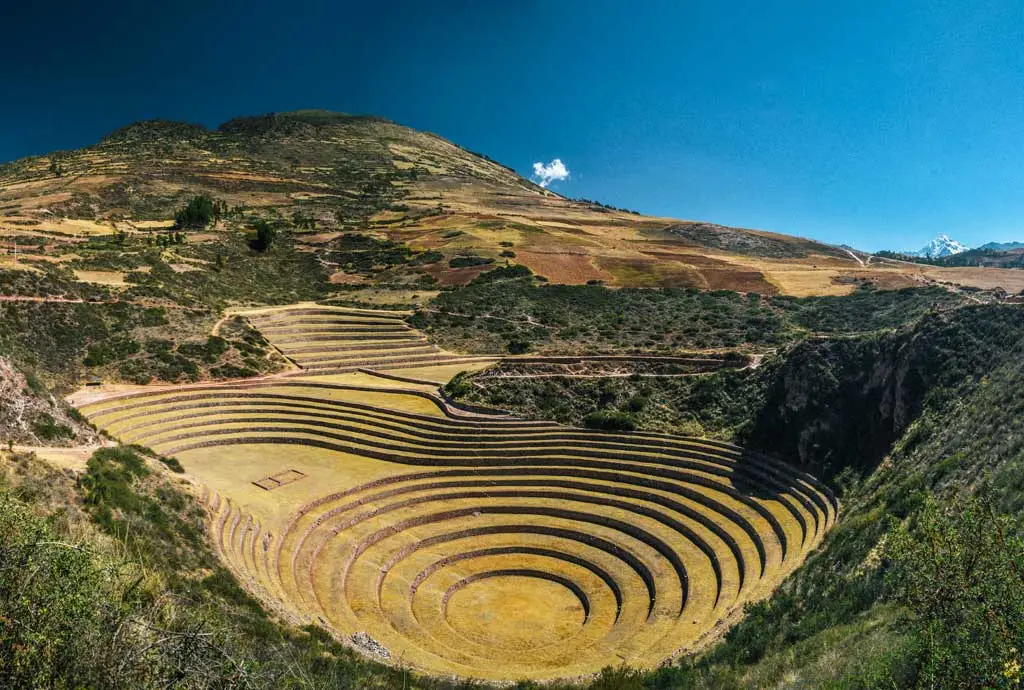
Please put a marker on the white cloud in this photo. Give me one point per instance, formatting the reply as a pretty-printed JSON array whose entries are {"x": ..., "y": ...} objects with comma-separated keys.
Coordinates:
[{"x": 552, "y": 172}]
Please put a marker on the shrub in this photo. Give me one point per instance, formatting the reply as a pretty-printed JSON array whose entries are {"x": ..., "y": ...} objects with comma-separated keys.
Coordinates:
[
  {"x": 111, "y": 350},
  {"x": 502, "y": 273},
  {"x": 610, "y": 420},
  {"x": 959, "y": 571},
  {"x": 47, "y": 429},
  {"x": 173, "y": 464},
  {"x": 465, "y": 261},
  {"x": 517, "y": 346},
  {"x": 266, "y": 234},
  {"x": 108, "y": 481}
]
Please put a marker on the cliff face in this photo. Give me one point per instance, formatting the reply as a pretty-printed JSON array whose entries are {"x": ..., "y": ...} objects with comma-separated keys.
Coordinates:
[
  {"x": 841, "y": 403},
  {"x": 30, "y": 415}
]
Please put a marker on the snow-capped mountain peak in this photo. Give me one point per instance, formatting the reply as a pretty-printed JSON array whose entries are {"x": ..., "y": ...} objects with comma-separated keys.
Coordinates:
[{"x": 942, "y": 245}]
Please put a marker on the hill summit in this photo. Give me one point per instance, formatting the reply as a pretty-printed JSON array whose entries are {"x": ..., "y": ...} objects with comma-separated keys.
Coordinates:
[
  {"x": 942, "y": 245},
  {"x": 318, "y": 175}
]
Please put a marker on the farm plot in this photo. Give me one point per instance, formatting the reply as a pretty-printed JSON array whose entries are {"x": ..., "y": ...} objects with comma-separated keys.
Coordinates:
[
  {"x": 331, "y": 340},
  {"x": 478, "y": 545}
]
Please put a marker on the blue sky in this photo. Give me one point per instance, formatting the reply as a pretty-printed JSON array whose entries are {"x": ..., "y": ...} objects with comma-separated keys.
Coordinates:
[{"x": 877, "y": 124}]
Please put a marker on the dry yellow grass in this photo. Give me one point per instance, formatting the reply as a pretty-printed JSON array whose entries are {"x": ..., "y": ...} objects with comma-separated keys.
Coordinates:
[
  {"x": 472, "y": 545},
  {"x": 1009, "y": 279},
  {"x": 111, "y": 278}
]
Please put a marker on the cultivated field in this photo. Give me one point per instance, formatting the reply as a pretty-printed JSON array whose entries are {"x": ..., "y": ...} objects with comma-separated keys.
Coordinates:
[
  {"x": 463, "y": 543},
  {"x": 332, "y": 340}
]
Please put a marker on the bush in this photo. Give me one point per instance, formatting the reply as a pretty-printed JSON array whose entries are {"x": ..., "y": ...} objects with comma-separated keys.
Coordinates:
[
  {"x": 959, "y": 571},
  {"x": 173, "y": 464},
  {"x": 465, "y": 261},
  {"x": 112, "y": 350},
  {"x": 610, "y": 420},
  {"x": 502, "y": 273},
  {"x": 47, "y": 429},
  {"x": 266, "y": 234},
  {"x": 517, "y": 346}
]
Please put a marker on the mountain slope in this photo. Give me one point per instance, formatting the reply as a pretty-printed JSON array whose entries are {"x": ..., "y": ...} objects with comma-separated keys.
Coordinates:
[
  {"x": 1002, "y": 246},
  {"x": 317, "y": 174},
  {"x": 943, "y": 245}
]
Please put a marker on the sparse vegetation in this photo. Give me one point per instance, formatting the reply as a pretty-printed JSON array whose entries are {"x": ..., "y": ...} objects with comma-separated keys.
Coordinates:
[
  {"x": 567, "y": 319},
  {"x": 905, "y": 401}
]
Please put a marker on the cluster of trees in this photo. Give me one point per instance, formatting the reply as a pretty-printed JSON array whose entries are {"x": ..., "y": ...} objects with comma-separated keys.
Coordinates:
[
  {"x": 200, "y": 212},
  {"x": 203, "y": 210},
  {"x": 167, "y": 239},
  {"x": 959, "y": 573},
  {"x": 609, "y": 207},
  {"x": 266, "y": 235}
]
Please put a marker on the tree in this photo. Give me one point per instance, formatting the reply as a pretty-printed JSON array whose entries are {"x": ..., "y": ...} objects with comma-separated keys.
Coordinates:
[
  {"x": 198, "y": 213},
  {"x": 959, "y": 572},
  {"x": 55, "y": 168},
  {"x": 266, "y": 234}
]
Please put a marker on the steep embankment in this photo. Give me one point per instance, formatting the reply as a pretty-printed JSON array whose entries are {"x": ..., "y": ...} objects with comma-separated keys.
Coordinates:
[
  {"x": 31, "y": 415},
  {"x": 838, "y": 404}
]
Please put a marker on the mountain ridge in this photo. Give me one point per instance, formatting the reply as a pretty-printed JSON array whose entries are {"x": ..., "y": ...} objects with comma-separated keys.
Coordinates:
[
  {"x": 345, "y": 173},
  {"x": 941, "y": 246}
]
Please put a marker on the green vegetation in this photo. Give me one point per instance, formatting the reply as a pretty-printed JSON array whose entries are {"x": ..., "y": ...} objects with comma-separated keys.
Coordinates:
[
  {"x": 199, "y": 212},
  {"x": 361, "y": 253},
  {"x": 484, "y": 316},
  {"x": 959, "y": 572},
  {"x": 610, "y": 420},
  {"x": 466, "y": 261},
  {"x": 865, "y": 309},
  {"x": 47, "y": 428},
  {"x": 716, "y": 405},
  {"x": 64, "y": 342},
  {"x": 739, "y": 241},
  {"x": 265, "y": 235}
]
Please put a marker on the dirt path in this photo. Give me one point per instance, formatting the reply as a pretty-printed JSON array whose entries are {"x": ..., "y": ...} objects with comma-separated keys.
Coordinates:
[
  {"x": 65, "y": 458},
  {"x": 50, "y": 299},
  {"x": 529, "y": 320},
  {"x": 856, "y": 258},
  {"x": 58, "y": 300}
]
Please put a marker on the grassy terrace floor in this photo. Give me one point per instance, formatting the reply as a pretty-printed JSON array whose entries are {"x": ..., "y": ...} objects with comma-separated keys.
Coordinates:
[
  {"x": 482, "y": 546},
  {"x": 329, "y": 340}
]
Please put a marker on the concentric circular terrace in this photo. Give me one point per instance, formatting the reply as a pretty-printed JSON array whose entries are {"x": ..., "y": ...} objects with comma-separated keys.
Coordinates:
[{"x": 480, "y": 546}]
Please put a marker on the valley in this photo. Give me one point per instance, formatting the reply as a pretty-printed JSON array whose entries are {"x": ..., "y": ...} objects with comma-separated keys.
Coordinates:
[
  {"x": 650, "y": 542},
  {"x": 322, "y": 401}
]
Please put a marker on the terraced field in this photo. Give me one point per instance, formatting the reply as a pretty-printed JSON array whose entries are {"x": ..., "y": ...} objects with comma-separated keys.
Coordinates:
[
  {"x": 331, "y": 340},
  {"x": 476, "y": 545}
]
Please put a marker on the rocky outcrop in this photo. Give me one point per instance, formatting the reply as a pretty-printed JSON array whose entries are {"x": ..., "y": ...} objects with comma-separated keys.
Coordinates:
[
  {"x": 838, "y": 403},
  {"x": 31, "y": 415}
]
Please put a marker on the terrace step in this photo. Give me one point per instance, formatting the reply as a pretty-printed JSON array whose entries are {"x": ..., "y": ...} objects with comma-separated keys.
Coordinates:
[{"x": 641, "y": 541}]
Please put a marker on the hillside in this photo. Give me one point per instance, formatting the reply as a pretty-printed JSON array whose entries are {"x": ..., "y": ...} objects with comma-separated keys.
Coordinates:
[
  {"x": 319, "y": 175},
  {"x": 314, "y": 401}
]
